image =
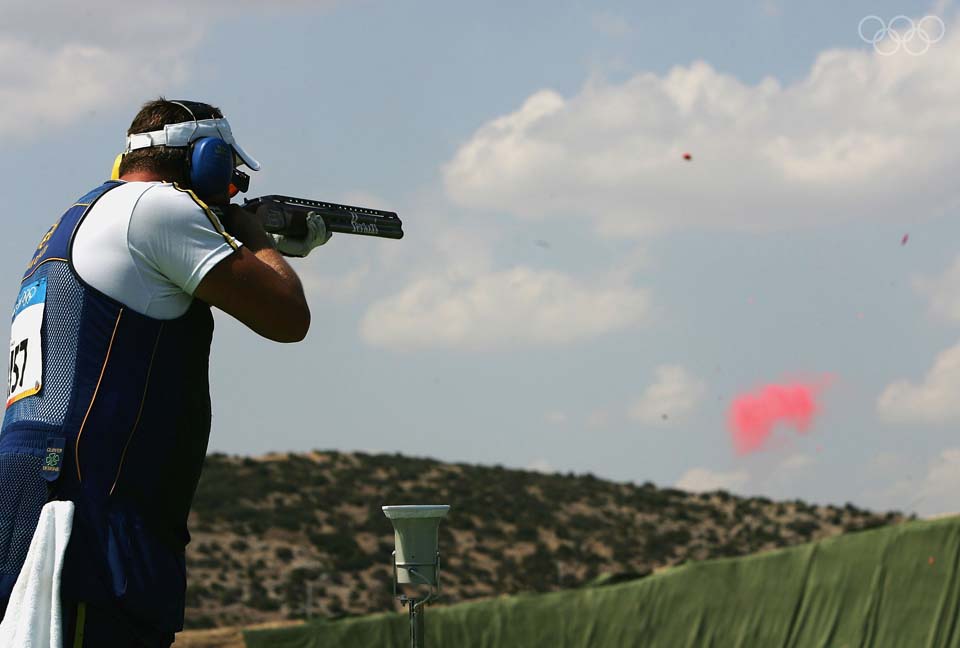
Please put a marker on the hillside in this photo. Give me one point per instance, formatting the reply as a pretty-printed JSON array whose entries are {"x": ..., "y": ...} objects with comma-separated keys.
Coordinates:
[
  {"x": 893, "y": 587},
  {"x": 271, "y": 532}
]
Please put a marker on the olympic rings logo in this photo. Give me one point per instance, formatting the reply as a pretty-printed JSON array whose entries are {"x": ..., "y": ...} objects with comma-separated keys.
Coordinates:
[
  {"x": 901, "y": 32},
  {"x": 26, "y": 297}
]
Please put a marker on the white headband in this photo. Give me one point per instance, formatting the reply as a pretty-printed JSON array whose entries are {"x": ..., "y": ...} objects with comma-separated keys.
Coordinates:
[{"x": 185, "y": 132}]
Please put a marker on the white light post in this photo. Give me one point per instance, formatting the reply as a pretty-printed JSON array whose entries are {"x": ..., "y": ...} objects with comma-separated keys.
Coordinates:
[{"x": 416, "y": 559}]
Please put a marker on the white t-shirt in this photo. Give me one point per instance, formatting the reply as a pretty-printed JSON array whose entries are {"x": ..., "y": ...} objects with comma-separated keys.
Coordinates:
[{"x": 148, "y": 245}]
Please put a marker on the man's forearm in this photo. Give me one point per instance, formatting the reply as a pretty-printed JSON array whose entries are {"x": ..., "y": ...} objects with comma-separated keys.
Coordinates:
[
  {"x": 244, "y": 226},
  {"x": 269, "y": 255}
]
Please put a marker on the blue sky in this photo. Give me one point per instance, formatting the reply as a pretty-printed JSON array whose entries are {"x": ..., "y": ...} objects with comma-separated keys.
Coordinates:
[{"x": 563, "y": 266}]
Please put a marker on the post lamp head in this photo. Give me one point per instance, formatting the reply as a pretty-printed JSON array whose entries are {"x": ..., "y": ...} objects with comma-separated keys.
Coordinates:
[{"x": 416, "y": 533}]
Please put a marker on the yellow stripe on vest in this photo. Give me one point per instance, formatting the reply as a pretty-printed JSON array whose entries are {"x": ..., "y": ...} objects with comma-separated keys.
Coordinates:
[{"x": 217, "y": 225}]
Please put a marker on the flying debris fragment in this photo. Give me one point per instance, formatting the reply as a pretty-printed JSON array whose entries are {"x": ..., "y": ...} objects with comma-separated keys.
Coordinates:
[{"x": 753, "y": 416}]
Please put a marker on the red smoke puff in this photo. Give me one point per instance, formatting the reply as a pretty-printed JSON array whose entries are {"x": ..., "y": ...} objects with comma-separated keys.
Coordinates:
[
  {"x": 753, "y": 416},
  {"x": 687, "y": 156}
]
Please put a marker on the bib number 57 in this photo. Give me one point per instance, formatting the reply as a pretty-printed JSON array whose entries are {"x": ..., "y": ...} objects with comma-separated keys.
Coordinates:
[
  {"x": 25, "y": 373},
  {"x": 18, "y": 366}
]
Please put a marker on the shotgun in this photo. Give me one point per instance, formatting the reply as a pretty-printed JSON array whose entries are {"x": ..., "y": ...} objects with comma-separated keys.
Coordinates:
[{"x": 287, "y": 215}]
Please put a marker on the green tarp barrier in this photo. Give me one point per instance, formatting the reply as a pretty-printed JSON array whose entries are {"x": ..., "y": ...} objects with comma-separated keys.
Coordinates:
[{"x": 890, "y": 587}]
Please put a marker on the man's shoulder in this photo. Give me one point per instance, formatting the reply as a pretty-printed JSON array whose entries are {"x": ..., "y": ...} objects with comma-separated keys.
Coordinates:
[
  {"x": 163, "y": 201},
  {"x": 132, "y": 195},
  {"x": 164, "y": 193}
]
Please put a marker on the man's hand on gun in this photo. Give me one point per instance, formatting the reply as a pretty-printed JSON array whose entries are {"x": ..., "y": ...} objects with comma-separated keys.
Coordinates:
[
  {"x": 316, "y": 236},
  {"x": 244, "y": 225}
]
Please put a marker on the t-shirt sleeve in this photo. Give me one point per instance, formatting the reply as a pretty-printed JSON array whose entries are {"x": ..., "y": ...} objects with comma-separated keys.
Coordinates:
[{"x": 178, "y": 235}]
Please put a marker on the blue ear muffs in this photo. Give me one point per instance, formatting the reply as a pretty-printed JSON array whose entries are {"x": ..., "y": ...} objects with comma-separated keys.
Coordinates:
[{"x": 211, "y": 167}]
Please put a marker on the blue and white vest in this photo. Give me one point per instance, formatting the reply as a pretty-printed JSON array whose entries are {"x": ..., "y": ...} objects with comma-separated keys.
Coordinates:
[{"x": 118, "y": 424}]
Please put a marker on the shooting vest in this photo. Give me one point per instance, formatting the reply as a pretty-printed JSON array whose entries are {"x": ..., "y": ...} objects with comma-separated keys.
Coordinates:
[{"x": 109, "y": 409}]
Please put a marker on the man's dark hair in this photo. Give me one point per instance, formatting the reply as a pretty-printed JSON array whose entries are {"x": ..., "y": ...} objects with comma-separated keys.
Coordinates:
[{"x": 170, "y": 162}]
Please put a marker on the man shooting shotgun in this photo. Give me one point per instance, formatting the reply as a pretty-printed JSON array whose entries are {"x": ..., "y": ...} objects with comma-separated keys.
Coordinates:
[{"x": 108, "y": 405}]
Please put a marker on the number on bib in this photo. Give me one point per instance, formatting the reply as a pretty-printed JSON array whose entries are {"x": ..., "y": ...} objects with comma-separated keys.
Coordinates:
[{"x": 25, "y": 373}]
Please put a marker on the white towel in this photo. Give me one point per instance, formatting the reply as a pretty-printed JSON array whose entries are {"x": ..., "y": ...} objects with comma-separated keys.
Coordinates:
[{"x": 34, "y": 618}]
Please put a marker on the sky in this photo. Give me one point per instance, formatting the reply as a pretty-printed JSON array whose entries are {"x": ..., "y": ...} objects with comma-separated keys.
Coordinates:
[{"x": 571, "y": 294}]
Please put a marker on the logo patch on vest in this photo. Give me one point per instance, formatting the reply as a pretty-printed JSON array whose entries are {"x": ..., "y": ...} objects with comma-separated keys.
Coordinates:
[{"x": 53, "y": 460}]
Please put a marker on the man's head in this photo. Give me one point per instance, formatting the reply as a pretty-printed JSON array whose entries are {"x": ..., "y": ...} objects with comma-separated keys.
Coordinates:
[
  {"x": 190, "y": 143},
  {"x": 167, "y": 162}
]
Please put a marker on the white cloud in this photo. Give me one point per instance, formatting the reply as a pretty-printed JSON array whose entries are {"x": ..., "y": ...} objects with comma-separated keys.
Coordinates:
[
  {"x": 44, "y": 87},
  {"x": 340, "y": 287},
  {"x": 943, "y": 292},
  {"x": 674, "y": 394},
  {"x": 936, "y": 493},
  {"x": 541, "y": 466},
  {"x": 501, "y": 309},
  {"x": 793, "y": 471},
  {"x": 942, "y": 483},
  {"x": 60, "y": 60},
  {"x": 932, "y": 401},
  {"x": 700, "y": 480},
  {"x": 839, "y": 144},
  {"x": 796, "y": 463}
]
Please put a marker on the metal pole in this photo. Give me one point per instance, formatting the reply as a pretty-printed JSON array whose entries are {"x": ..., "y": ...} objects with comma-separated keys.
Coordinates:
[{"x": 416, "y": 624}]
